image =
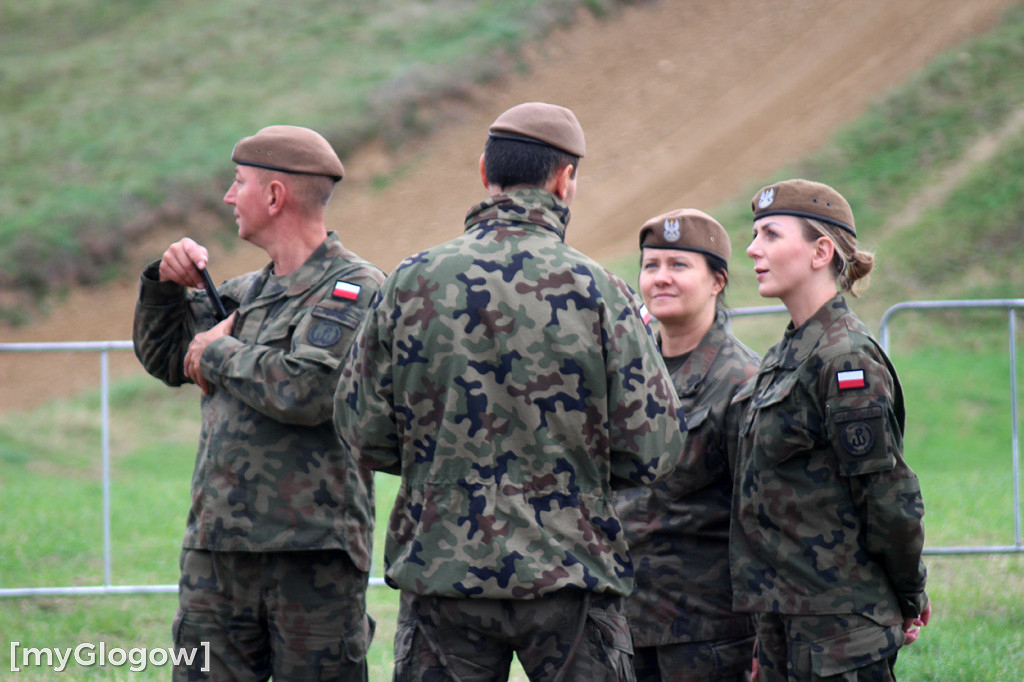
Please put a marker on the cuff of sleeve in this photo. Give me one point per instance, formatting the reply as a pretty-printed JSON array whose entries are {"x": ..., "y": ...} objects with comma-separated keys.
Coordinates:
[
  {"x": 154, "y": 292},
  {"x": 217, "y": 355},
  {"x": 911, "y": 606}
]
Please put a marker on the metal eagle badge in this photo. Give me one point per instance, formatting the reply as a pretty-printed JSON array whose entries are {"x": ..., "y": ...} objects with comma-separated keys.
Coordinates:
[{"x": 671, "y": 230}]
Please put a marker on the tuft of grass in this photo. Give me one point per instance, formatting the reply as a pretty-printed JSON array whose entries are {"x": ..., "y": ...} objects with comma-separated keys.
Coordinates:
[{"x": 977, "y": 628}]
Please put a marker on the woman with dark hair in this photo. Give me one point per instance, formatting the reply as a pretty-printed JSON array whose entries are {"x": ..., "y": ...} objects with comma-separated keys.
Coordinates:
[
  {"x": 680, "y": 611},
  {"x": 826, "y": 534}
]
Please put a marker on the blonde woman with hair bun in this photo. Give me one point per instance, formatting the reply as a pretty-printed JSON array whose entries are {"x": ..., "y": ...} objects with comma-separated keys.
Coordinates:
[{"x": 826, "y": 534}]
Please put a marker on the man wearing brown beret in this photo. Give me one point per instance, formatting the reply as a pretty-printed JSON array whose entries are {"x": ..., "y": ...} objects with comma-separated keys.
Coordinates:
[
  {"x": 276, "y": 554},
  {"x": 512, "y": 383}
]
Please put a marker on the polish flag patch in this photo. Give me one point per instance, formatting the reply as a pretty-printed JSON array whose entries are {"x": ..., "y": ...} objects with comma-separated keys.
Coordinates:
[
  {"x": 853, "y": 378},
  {"x": 346, "y": 290},
  {"x": 645, "y": 314}
]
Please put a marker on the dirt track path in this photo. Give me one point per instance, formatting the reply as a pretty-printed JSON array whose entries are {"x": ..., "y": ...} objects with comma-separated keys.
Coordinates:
[{"x": 683, "y": 102}]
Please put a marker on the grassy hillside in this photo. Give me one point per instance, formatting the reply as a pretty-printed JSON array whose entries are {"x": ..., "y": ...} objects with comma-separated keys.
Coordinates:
[{"x": 116, "y": 112}]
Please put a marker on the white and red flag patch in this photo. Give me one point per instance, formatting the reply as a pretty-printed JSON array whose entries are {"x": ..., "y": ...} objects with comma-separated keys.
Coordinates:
[
  {"x": 645, "y": 314},
  {"x": 853, "y": 378},
  {"x": 346, "y": 290}
]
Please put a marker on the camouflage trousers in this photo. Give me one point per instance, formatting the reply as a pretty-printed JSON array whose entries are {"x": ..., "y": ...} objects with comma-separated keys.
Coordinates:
[
  {"x": 566, "y": 637},
  {"x": 724, "y": 660},
  {"x": 291, "y": 615},
  {"x": 843, "y": 648}
]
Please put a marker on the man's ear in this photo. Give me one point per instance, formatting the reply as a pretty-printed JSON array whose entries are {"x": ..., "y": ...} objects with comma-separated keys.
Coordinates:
[
  {"x": 559, "y": 184},
  {"x": 483, "y": 173},
  {"x": 276, "y": 193}
]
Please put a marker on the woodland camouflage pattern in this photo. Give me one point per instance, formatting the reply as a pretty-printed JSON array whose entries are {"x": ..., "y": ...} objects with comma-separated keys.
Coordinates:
[
  {"x": 827, "y": 514},
  {"x": 511, "y": 382},
  {"x": 847, "y": 647},
  {"x": 315, "y": 599},
  {"x": 678, "y": 529},
  {"x": 270, "y": 474},
  {"x": 561, "y": 637}
]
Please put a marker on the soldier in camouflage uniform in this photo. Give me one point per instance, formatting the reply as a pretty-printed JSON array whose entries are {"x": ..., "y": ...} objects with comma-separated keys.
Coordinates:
[
  {"x": 826, "y": 532},
  {"x": 512, "y": 383},
  {"x": 276, "y": 555},
  {"x": 680, "y": 612}
]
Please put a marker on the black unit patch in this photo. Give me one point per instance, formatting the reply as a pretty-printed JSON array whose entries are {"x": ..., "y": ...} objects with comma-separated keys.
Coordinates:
[
  {"x": 324, "y": 333},
  {"x": 857, "y": 438}
]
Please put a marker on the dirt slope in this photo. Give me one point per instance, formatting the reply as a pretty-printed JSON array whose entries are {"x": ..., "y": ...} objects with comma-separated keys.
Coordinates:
[{"x": 683, "y": 102}]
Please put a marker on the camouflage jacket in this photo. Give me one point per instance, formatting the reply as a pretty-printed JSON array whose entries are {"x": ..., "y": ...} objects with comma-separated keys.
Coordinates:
[
  {"x": 678, "y": 529},
  {"x": 827, "y": 514},
  {"x": 511, "y": 382},
  {"x": 270, "y": 474}
]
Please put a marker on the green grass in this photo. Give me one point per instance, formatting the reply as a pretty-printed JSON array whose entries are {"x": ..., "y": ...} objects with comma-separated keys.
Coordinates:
[
  {"x": 113, "y": 109},
  {"x": 958, "y": 441}
]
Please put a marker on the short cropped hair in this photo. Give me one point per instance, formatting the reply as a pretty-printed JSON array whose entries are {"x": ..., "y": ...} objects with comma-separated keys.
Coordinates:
[
  {"x": 312, "y": 192},
  {"x": 511, "y": 163}
]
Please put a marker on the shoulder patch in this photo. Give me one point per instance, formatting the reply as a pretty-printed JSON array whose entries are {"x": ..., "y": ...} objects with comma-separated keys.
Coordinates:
[
  {"x": 324, "y": 333},
  {"x": 857, "y": 438},
  {"x": 346, "y": 291},
  {"x": 853, "y": 378}
]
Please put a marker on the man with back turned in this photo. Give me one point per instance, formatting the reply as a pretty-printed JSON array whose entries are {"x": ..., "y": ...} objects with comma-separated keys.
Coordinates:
[{"x": 512, "y": 384}]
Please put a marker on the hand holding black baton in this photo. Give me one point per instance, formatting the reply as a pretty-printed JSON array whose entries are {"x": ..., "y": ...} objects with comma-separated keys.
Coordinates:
[{"x": 211, "y": 291}]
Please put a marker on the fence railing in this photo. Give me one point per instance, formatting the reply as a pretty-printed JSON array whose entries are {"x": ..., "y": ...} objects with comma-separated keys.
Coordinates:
[
  {"x": 1010, "y": 306},
  {"x": 105, "y": 347}
]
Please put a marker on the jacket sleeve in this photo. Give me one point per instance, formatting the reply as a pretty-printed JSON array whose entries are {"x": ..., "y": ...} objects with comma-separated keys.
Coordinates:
[
  {"x": 294, "y": 384},
  {"x": 364, "y": 410},
  {"x": 647, "y": 428},
  {"x": 167, "y": 317},
  {"x": 864, "y": 425}
]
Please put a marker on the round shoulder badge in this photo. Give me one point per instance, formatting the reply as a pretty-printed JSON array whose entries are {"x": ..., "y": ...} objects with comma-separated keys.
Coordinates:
[
  {"x": 857, "y": 438},
  {"x": 324, "y": 333}
]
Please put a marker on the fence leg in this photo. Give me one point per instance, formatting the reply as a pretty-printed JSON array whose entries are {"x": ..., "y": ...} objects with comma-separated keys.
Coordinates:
[{"x": 105, "y": 410}]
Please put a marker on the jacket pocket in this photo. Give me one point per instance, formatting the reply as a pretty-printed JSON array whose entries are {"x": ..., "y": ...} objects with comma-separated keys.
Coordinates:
[
  {"x": 356, "y": 640},
  {"x": 855, "y": 648},
  {"x": 784, "y": 425}
]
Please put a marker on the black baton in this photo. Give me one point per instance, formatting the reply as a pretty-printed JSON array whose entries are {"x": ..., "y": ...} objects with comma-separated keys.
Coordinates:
[{"x": 211, "y": 291}]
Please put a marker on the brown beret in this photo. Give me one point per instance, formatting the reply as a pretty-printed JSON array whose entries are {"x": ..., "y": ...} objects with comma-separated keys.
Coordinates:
[
  {"x": 540, "y": 123},
  {"x": 806, "y": 199},
  {"x": 289, "y": 149},
  {"x": 687, "y": 229}
]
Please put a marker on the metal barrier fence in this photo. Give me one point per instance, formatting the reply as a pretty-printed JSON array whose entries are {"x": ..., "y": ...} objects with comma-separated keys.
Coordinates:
[
  {"x": 1011, "y": 306},
  {"x": 105, "y": 347}
]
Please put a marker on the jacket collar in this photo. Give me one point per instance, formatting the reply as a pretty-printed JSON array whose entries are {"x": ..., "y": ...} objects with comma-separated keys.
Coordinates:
[
  {"x": 530, "y": 206},
  {"x": 691, "y": 375},
  {"x": 799, "y": 342},
  {"x": 266, "y": 289}
]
